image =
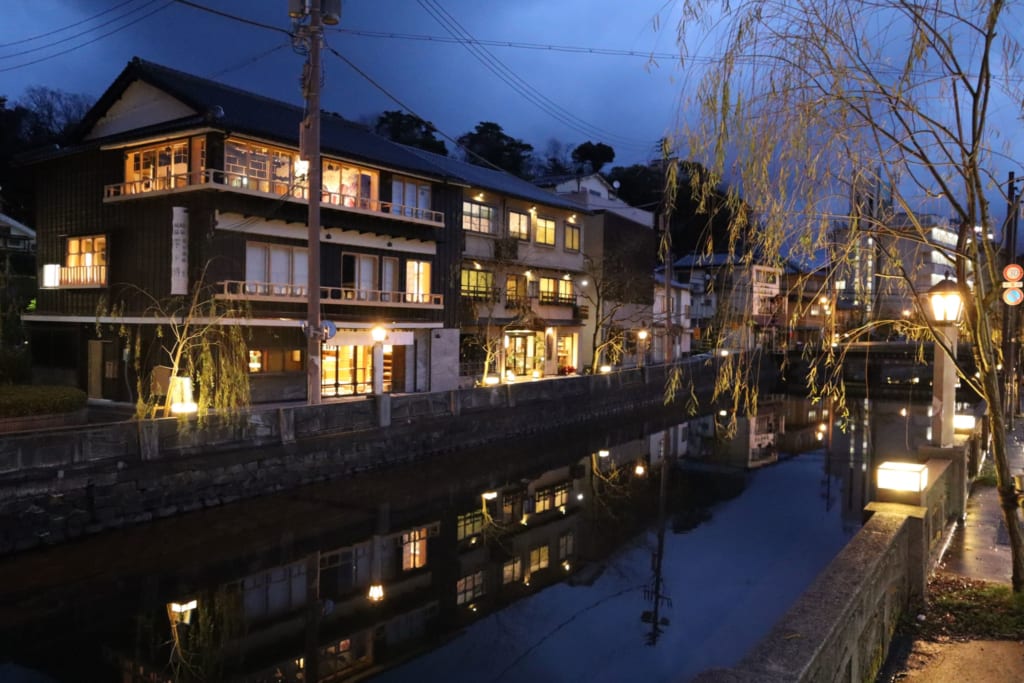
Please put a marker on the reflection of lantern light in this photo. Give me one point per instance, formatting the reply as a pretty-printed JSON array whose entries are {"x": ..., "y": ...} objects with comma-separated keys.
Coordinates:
[{"x": 179, "y": 394}]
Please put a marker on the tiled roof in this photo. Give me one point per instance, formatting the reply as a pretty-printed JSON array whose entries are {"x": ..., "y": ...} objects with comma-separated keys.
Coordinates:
[
  {"x": 249, "y": 113},
  {"x": 499, "y": 181}
]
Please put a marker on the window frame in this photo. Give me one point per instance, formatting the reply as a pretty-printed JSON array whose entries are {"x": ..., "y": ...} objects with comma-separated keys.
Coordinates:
[
  {"x": 522, "y": 235},
  {"x": 544, "y": 227},
  {"x": 475, "y": 290},
  {"x": 473, "y": 218},
  {"x": 574, "y": 230}
]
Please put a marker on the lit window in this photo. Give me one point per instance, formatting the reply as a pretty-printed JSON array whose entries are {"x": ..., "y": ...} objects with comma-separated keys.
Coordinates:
[
  {"x": 548, "y": 290},
  {"x": 414, "y": 549},
  {"x": 469, "y": 524},
  {"x": 545, "y": 231},
  {"x": 538, "y": 558},
  {"x": 572, "y": 237},
  {"x": 519, "y": 225},
  {"x": 85, "y": 262},
  {"x": 469, "y": 587},
  {"x": 477, "y": 284},
  {"x": 512, "y": 571},
  {"x": 542, "y": 500},
  {"x": 561, "y": 494},
  {"x": 275, "y": 360},
  {"x": 477, "y": 218},
  {"x": 417, "y": 281}
]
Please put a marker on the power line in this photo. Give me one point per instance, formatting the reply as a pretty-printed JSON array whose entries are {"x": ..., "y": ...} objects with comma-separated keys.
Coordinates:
[
  {"x": 543, "y": 47},
  {"x": 55, "y": 31},
  {"x": 369, "y": 79},
  {"x": 233, "y": 17},
  {"x": 517, "y": 83},
  {"x": 79, "y": 34},
  {"x": 89, "y": 42}
]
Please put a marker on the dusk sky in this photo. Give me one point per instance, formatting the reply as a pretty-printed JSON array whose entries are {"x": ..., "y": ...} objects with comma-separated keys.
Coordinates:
[{"x": 624, "y": 90}]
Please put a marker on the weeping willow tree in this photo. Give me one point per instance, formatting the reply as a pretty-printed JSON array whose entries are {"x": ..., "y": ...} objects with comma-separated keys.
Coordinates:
[
  {"x": 847, "y": 125},
  {"x": 196, "y": 337}
]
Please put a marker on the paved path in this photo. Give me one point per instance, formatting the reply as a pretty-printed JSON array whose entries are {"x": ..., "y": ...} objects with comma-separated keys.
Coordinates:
[{"x": 979, "y": 549}]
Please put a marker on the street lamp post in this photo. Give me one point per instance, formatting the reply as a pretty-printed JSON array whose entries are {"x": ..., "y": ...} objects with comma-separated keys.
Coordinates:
[
  {"x": 641, "y": 348},
  {"x": 945, "y": 311}
]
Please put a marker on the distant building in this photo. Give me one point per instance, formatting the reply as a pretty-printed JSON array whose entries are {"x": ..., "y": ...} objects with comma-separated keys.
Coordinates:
[
  {"x": 736, "y": 306},
  {"x": 620, "y": 256},
  {"x": 17, "y": 276}
]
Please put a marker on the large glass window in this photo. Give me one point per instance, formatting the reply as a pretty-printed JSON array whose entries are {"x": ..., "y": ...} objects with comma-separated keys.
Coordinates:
[
  {"x": 275, "y": 360},
  {"x": 417, "y": 281},
  {"x": 515, "y": 290},
  {"x": 85, "y": 262},
  {"x": 512, "y": 570},
  {"x": 414, "y": 549},
  {"x": 359, "y": 277},
  {"x": 469, "y": 524},
  {"x": 348, "y": 370},
  {"x": 160, "y": 167},
  {"x": 350, "y": 186},
  {"x": 275, "y": 269},
  {"x": 469, "y": 587},
  {"x": 539, "y": 558},
  {"x": 519, "y": 225},
  {"x": 548, "y": 290},
  {"x": 410, "y": 198},
  {"x": 477, "y": 218},
  {"x": 545, "y": 231},
  {"x": 274, "y": 592},
  {"x": 477, "y": 284}
]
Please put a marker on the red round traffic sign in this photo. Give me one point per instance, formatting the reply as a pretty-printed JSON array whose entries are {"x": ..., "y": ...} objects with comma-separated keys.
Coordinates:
[{"x": 1012, "y": 272}]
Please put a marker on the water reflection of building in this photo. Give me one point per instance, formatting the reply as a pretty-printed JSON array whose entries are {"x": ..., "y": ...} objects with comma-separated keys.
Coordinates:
[{"x": 365, "y": 602}]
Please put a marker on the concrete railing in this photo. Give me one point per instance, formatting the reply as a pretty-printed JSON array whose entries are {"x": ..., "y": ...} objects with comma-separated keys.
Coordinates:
[
  {"x": 841, "y": 627},
  {"x": 149, "y": 440}
]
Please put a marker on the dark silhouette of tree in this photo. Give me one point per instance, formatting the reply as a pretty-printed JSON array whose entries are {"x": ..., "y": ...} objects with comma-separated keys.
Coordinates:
[
  {"x": 699, "y": 221},
  {"x": 489, "y": 142},
  {"x": 409, "y": 129},
  {"x": 42, "y": 117},
  {"x": 555, "y": 161},
  {"x": 597, "y": 154}
]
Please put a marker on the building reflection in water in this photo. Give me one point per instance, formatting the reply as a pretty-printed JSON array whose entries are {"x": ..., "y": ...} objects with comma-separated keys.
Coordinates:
[{"x": 392, "y": 579}]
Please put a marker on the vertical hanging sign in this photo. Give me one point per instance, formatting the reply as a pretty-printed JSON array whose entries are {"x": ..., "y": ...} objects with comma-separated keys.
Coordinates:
[{"x": 179, "y": 250}]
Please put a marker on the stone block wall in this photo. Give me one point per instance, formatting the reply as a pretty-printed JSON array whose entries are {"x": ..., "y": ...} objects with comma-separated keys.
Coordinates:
[{"x": 841, "y": 627}]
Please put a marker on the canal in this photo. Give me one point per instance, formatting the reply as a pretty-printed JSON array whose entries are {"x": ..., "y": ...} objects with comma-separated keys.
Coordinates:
[{"x": 567, "y": 556}]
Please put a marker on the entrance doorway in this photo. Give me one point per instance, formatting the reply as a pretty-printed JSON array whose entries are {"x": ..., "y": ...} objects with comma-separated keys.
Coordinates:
[{"x": 524, "y": 354}]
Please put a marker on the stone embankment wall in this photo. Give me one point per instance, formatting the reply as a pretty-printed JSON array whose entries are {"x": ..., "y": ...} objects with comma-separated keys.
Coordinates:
[
  {"x": 61, "y": 484},
  {"x": 841, "y": 627}
]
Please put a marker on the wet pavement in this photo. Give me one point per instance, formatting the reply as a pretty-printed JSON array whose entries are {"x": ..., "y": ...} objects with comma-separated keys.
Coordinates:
[{"x": 979, "y": 549}]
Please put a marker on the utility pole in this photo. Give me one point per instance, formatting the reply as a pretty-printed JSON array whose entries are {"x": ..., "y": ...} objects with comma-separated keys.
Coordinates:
[
  {"x": 1010, "y": 312},
  {"x": 309, "y": 17}
]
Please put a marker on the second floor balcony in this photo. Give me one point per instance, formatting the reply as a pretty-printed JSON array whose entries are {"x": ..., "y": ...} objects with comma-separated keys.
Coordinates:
[
  {"x": 242, "y": 183},
  {"x": 251, "y": 290}
]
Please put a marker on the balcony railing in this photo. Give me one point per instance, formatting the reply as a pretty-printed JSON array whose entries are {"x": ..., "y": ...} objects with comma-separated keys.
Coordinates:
[
  {"x": 83, "y": 276},
  {"x": 481, "y": 293},
  {"x": 252, "y": 290},
  {"x": 264, "y": 187},
  {"x": 554, "y": 298}
]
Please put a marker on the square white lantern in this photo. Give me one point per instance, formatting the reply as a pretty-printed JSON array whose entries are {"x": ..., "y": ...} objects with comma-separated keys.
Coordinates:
[{"x": 903, "y": 476}]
